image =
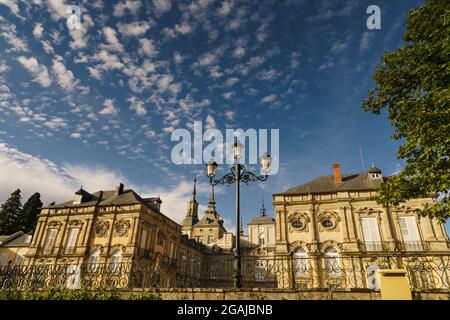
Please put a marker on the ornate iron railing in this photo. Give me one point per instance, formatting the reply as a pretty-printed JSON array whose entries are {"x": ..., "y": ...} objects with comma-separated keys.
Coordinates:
[{"x": 424, "y": 273}]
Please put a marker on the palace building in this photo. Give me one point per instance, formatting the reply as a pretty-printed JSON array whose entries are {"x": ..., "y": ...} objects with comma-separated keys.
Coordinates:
[
  {"x": 332, "y": 224},
  {"x": 328, "y": 232}
]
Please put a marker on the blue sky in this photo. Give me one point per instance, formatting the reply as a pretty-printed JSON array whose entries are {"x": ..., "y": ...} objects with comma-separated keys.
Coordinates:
[{"x": 97, "y": 106}]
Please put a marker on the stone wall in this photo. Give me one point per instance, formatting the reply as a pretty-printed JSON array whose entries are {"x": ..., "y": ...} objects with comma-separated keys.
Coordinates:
[{"x": 278, "y": 294}]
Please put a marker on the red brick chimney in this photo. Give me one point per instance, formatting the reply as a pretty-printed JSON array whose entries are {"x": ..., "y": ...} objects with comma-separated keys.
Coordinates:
[{"x": 337, "y": 173}]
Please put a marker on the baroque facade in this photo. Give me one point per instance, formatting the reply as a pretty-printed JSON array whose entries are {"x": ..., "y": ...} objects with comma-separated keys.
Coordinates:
[
  {"x": 329, "y": 223},
  {"x": 326, "y": 232}
]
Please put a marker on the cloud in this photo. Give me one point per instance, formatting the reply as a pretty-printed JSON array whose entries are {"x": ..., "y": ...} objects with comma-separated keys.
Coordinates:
[
  {"x": 147, "y": 48},
  {"x": 12, "y": 5},
  {"x": 161, "y": 6},
  {"x": 225, "y": 8},
  {"x": 59, "y": 182},
  {"x": 38, "y": 30},
  {"x": 137, "y": 106},
  {"x": 64, "y": 77},
  {"x": 366, "y": 40},
  {"x": 269, "y": 99},
  {"x": 111, "y": 38},
  {"x": 38, "y": 71},
  {"x": 10, "y": 35},
  {"x": 127, "y": 5},
  {"x": 109, "y": 108},
  {"x": 210, "y": 122},
  {"x": 133, "y": 29}
]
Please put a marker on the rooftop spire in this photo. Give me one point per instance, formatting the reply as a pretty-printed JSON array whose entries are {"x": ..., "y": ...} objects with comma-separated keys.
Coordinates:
[
  {"x": 263, "y": 209},
  {"x": 212, "y": 201},
  {"x": 194, "y": 191}
]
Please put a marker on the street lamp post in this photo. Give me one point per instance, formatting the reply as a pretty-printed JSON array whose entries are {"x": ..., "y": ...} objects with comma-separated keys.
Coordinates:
[{"x": 239, "y": 173}]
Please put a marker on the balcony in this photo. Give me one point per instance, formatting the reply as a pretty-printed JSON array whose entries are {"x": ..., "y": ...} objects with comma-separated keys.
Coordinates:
[
  {"x": 413, "y": 246},
  {"x": 373, "y": 246}
]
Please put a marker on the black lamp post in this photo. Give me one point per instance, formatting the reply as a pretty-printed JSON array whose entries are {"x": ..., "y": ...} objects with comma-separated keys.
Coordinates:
[{"x": 238, "y": 173}]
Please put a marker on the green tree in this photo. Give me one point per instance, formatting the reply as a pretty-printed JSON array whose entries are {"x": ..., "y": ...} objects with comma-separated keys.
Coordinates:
[
  {"x": 413, "y": 84},
  {"x": 10, "y": 211},
  {"x": 30, "y": 212}
]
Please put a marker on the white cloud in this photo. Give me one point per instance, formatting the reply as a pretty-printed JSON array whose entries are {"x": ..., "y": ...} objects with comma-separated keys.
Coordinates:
[
  {"x": 64, "y": 76},
  {"x": 38, "y": 71},
  {"x": 232, "y": 81},
  {"x": 59, "y": 182},
  {"x": 177, "y": 57},
  {"x": 133, "y": 29},
  {"x": 366, "y": 41},
  {"x": 56, "y": 123},
  {"x": 225, "y": 9},
  {"x": 4, "y": 67},
  {"x": 58, "y": 8},
  {"x": 111, "y": 38},
  {"x": 38, "y": 30},
  {"x": 12, "y": 5},
  {"x": 210, "y": 122},
  {"x": 161, "y": 6},
  {"x": 109, "y": 108},
  {"x": 207, "y": 59},
  {"x": 267, "y": 75},
  {"x": 75, "y": 135},
  {"x": 147, "y": 48},
  {"x": 239, "y": 52},
  {"x": 137, "y": 106},
  {"x": 126, "y": 5},
  {"x": 269, "y": 99},
  {"x": 10, "y": 35}
]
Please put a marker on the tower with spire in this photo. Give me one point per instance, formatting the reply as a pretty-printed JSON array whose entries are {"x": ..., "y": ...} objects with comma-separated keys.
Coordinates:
[
  {"x": 192, "y": 212},
  {"x": 210, "y": 227},
  {"x": 261, "y": 229}
]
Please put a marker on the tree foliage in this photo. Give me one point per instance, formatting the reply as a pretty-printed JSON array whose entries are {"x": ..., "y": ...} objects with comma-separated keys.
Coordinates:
[
  {"x": 413, "y": 85},
  {"x": 30, "y": 213},
  {"x": 10, "y": 213}
]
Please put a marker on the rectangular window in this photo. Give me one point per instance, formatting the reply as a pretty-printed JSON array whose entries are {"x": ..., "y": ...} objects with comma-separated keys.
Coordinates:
[
  {"x": 72, "y": 240},
  {"x": 371, "y": 234},
  {"x": 49, "y": 241},
  {"x": 210, "y": 239},
  {"x": 144, "y": 239},
  {"x": 199, "y": 239},
  {"x": 410, "y": 233}
]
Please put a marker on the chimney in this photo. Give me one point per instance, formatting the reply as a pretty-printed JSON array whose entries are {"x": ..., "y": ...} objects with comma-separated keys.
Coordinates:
[
  {"x": 119, "y": 189},
  {"x": 337, "y": 173}
]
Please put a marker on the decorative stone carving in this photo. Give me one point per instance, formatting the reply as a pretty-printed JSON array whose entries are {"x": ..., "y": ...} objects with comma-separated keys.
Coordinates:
[
  {"x": 328, "y": 221},
  {"x": 121, "y": 228},
  {"x": 101, "y": 228},
  {"x": 298, "y": 222}
]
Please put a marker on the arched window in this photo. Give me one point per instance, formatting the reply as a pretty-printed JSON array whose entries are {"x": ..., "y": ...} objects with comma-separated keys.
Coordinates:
[
  {"x": 262, "y": 239},
  {"x": 332, "y": 262},
  {"x": 115, "y": 260},
  {"x": 300, "y": 262},
  {"x": 94, "y": 260}
]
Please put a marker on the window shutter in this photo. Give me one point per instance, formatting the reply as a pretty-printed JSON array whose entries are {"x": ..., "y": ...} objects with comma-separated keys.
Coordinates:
[
  {"x": 366, "y": 229},
  {"x": 72, "y": 241}
]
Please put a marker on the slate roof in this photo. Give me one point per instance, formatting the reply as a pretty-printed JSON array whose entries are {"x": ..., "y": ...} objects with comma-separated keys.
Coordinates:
[
  {"x": 262, "y": 220},
  {"x": 110, "y": 197},
  {"x": 327, "y": 184},
  {"x": 18, "y": 239}
]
